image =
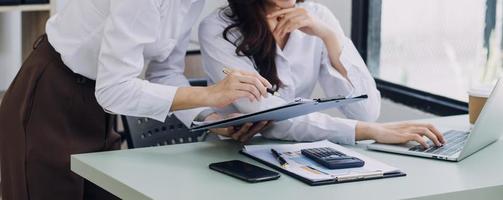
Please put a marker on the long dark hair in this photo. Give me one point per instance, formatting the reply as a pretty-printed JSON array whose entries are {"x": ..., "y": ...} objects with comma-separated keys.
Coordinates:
[{"x": 256, "y": 40}]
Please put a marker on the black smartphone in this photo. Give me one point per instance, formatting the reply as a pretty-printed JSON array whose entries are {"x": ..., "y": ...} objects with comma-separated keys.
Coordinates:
[{"x": 244, "y": 171}]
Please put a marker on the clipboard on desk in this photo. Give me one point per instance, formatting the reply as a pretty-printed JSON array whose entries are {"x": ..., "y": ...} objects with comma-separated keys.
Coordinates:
[
  {"x": 296, "y": 108},
  {"x": 311, "y": 173}
]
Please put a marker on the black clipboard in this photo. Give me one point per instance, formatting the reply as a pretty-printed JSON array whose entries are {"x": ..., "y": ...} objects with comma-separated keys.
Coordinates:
[
  {"x": 325, "y": 182},
  {"x": 291, "y": 110}
]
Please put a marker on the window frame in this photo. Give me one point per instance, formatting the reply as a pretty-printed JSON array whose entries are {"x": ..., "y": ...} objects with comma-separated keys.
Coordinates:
[{"x": 422, "y": 100}]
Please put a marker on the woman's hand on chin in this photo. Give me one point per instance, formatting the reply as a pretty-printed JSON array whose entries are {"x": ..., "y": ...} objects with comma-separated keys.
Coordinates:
[
  {"x": 291, "y": 19},
  {"x": 399, "y": 133}
]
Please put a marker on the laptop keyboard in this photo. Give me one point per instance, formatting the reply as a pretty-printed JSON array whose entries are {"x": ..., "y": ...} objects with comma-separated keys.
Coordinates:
[{"x": 456, "y": 140}]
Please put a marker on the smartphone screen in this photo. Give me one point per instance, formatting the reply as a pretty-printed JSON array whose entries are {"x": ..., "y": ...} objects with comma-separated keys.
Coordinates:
[{"x": 244, "y": 171}]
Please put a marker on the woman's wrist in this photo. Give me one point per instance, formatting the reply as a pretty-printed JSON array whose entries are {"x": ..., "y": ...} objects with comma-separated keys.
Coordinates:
[
  {"x": 204, "y": 96},
  {"x": 363, "y": 131},
  {"x": 190, "y": 97}
]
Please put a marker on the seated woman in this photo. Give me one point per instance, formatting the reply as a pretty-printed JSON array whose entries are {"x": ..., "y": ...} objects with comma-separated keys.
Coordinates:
[{"x": 295, "y": 45}]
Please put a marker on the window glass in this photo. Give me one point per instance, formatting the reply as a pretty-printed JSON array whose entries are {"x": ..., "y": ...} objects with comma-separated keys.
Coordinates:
[{"x": 442, "y": 47}]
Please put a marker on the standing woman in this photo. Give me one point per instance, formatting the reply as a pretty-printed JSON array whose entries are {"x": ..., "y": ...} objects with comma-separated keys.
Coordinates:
[
  {"x": 296, "y": 45},
  {"x": 88, "y": 66}
]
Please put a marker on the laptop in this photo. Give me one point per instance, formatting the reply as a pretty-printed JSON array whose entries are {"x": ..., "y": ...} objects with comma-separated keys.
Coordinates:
[{"x": 460, "y": 143}]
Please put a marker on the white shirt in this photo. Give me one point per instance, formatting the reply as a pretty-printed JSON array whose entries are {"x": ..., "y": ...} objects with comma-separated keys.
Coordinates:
[
  {"x": 301, "y": 64},
  {"x": 111, "y": 40}
]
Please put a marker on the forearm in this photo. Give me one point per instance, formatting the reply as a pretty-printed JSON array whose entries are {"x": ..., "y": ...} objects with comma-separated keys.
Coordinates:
[
  {"x": 334, "y": 50},
  {"x": 190, "y": 97}
]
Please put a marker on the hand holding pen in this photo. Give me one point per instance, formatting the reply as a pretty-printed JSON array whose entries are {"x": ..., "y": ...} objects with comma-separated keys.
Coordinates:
[
  {"x": 228, "y": 71},
  {"x": 235, "y": 85}
]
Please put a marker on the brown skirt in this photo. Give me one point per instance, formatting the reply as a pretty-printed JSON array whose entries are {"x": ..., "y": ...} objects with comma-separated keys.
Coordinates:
[{"x": 47, "y": 114}]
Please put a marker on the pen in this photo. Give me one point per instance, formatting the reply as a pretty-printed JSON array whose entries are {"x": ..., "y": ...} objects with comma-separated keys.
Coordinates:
[
  {"x": 280, "y": 159},
  {"x": 227, "y": 71}
]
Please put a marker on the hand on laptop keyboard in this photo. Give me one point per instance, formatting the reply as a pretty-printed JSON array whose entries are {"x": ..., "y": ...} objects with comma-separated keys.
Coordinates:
[
  {"x": 456, "y": 141},
  {"x": 399, "y": 133}
]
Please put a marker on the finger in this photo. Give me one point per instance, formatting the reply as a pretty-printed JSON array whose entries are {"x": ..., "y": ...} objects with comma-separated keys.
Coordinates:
[
  {"x": 296, "y": 23},
  {"x": 293, "y": 14},
  {"x": 426, "y": 132},
  {"x": 223, "y": 131},
  {"x": 277, "y": 34},
  {"x": 255, "y": 129},
  {"x": 229, "y": 131},
  {"x": 288, "y": 21},
  {"x": 253, "y": 80},
  {"x": 281, "y": 23},
  {"x": 295, "y": 26},
  {"x": 232, "y": 115},
  {"x": 243, "y": 130},
  {"x": 290, "y": 27},
  {"x": 240, "y": 84},
  {"x": 281, "y": 12},
  {"x": 432, "y": 128},
  {"x": 435, "y": 131},
  {"x": 264, "y": 81},
  {"x": 417, "y": 138},
  {"x": 268, "y": 125},
  {"x": 250, "y": 89},
  {"x": 238, "y": 94}
]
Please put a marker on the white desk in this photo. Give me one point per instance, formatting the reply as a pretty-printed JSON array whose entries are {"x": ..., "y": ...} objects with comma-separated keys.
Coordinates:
[{"x": 181, "y": 172}]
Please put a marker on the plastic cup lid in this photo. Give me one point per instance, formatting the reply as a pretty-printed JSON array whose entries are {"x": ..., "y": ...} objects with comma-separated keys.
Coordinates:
[{"x": 481, "y": 91}]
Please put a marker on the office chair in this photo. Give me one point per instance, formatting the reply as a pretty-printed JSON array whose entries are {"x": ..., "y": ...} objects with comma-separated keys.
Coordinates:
[{"x": 143, "y": 132}]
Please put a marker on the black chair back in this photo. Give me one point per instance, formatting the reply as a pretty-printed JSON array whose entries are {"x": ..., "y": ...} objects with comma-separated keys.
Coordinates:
[{"x": 143, "y": 132}]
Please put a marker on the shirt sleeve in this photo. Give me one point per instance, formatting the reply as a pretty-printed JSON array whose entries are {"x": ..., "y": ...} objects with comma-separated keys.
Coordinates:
[
  {"x": 217, "y": 52},
  {"x": 359, "y": 80},
  {"x": 171, "y": 72},
  {"x": 129, "y": 27}
]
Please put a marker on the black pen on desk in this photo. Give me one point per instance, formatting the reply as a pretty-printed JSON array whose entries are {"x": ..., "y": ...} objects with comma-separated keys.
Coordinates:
[
  {"x": 227, "y": 71},
  {"x": 280, "y": 159}
]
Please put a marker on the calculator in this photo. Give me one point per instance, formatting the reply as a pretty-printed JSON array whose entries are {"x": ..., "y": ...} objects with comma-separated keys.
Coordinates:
[{"x": 331, "y": 158}]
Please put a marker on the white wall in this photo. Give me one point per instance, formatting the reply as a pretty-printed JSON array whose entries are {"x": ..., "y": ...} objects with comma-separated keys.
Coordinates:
[
  {"x": 342, "y": 10},
  {"x": 10, "y": 44},
  {"x": 10, "y": 47}
]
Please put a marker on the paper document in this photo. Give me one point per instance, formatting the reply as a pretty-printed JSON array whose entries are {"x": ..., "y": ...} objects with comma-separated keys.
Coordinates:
[{"x": 309, "y": 169}]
